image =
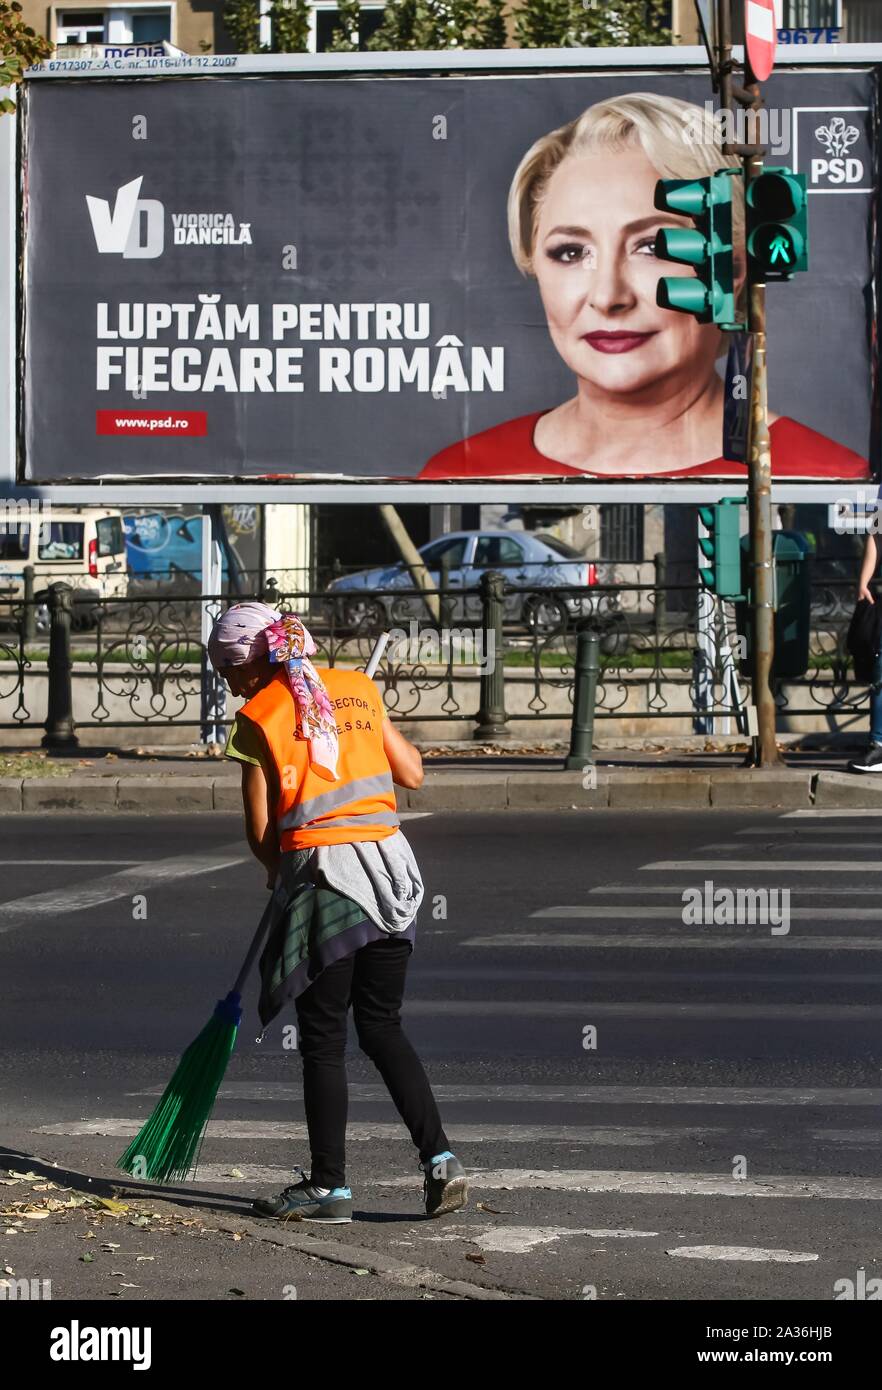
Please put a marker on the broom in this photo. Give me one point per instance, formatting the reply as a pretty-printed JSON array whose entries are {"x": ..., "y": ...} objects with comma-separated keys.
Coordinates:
[{"x": 167, "y": 1147}]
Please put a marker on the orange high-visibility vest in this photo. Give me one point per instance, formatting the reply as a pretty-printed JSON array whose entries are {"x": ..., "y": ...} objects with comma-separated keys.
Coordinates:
[{"x": 310, "y": 810}]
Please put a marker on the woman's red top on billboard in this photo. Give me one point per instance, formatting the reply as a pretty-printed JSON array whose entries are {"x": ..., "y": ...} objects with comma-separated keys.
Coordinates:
[{"x": 508, "y": 450}]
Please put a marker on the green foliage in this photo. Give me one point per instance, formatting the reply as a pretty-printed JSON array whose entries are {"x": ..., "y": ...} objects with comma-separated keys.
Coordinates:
[
  {"x": 345, "y": 37},
  {"x": 289, "y": 26},
  {"x": 437, "y": 24},
  {"x": 592, "y": 24},
  {"x": 20, "y": 47}
]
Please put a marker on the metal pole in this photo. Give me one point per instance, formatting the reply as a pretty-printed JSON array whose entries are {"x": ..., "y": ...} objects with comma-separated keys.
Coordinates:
[
  {"x": 491, "y": 715},
  {"x": 764, "y": 751},
  {"x": 584, "y": 699},
  {"x": 213, "y": 692},
  {"x": 59, "y": 726}
]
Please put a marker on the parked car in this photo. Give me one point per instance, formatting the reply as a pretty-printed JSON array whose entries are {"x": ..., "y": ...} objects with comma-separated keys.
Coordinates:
[
  {"x": 534, "y": 567},
  {"x": 84, "y": 546}
]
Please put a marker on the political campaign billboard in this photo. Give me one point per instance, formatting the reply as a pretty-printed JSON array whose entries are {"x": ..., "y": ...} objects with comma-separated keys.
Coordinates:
[{"x": 423, "y": 277}]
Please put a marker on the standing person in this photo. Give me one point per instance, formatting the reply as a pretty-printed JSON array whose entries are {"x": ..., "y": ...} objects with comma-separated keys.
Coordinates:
[
  {"x": 872, "y": 759},
  {"x": 319, "y": 757}
]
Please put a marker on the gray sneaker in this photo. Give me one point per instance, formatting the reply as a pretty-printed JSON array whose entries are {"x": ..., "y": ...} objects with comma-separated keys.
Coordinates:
[
  {"x": 445, "y": 1185},
  {"x": 301, "y": 1202}
]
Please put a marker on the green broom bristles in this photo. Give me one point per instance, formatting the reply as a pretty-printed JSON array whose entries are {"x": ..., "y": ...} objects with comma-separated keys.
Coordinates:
[{"x": 168, "y": 1145}]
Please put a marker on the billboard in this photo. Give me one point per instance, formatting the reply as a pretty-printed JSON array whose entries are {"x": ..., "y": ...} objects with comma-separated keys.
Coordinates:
[{"x": 409, "y": 278}]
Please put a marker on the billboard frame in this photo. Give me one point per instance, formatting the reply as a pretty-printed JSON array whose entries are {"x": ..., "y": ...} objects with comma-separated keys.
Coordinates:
[{"x": 539, "y": 62}]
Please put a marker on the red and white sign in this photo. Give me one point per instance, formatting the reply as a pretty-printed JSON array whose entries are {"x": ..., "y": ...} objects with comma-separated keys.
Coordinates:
[{"x": 759, "y": 28}]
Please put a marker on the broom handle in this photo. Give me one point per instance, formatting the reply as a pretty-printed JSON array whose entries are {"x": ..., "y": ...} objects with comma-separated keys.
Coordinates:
[
  {"x": 376, "y": 655},
  {"x": 254, "y": 947}
]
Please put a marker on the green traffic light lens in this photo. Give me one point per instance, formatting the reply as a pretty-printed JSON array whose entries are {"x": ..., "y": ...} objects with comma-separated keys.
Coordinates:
[{"x": 775, "y": 246}]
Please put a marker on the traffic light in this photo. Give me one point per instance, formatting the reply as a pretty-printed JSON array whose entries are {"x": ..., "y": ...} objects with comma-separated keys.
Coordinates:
[
  {"x": 722, "y": 547},
  {"x": 710, "y": 296},
  {"x": 777, "y": 224}
]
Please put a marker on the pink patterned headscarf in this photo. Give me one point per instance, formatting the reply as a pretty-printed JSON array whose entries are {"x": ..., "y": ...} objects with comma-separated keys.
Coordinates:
[{"x": 248, "y": 631}]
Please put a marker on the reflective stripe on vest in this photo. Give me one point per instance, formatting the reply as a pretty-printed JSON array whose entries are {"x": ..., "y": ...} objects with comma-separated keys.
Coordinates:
[{"x": 306, "y": 811}]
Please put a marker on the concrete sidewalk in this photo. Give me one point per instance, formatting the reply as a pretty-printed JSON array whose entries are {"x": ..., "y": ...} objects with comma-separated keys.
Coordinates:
[{"x": 532, "y": 784}]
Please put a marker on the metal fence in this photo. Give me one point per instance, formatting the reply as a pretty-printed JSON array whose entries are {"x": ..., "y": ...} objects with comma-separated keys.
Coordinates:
[{"x": 492, "y": 656}]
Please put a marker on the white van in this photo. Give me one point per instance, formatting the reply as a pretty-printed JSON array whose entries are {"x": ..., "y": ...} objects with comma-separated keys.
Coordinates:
[{"x": 84, "y": 546}]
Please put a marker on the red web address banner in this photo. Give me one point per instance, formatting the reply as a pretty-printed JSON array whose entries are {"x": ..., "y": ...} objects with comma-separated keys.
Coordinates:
[{"x": 183, "y": 424}]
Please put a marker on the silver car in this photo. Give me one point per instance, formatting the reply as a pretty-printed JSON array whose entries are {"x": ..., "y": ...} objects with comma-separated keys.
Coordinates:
[{"x": 546, "y": 582}]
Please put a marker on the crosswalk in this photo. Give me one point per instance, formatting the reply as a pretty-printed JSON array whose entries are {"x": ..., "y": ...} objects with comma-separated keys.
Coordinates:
[{"x": 640, "y": 1148}]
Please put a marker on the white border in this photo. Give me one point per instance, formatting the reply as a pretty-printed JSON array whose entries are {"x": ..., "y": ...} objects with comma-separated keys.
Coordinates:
[{"x": 495, "y": 62}]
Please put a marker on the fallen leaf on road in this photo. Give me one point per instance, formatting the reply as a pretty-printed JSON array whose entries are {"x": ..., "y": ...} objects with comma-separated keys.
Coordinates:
[
  {"x": 361, "y": 1271},
  {"x": 10, "y": 1231},
  {"x": 109, "y": 1245},
  {"x": 108, "y": 1204},
  {"x": 87, "y": 1259},
  {"x": 36, "y": 1215},
  {"x": 23, "y": 1177},
  {"x": 119, "y": 1273},
  {"x": 476, "y": 1259},
  {"x": 236, "y": 1173},
  {"x": 140, "y": 1222},
  {"x": 130, "y": 1286},
  {"x": 240, "y": 1292},
  {"x": 236, "y": 1235},
  {"x": 494, "y": 1211},
  {"x": 90, "y": 1235},
  {"x": 139, "y": 1258},
  {"x": 7, "y": 1269}
]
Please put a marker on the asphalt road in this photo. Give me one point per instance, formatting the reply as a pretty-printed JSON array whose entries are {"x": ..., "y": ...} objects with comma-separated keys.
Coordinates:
[{"x": 718, "y": 1137}]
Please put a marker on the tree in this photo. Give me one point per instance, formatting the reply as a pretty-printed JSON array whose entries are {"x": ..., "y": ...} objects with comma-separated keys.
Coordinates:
[
  {"x": 437, "y": 24},
  {"x": 289, "y": 21},
  {"x": 345, "y": 36},
  {"x": 20, "y": 47},
  {"x": 593, "y": 24}
]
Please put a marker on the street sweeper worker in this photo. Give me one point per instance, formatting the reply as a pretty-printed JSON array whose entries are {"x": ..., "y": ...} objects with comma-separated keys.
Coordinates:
[{"x": 320, "y": 758}]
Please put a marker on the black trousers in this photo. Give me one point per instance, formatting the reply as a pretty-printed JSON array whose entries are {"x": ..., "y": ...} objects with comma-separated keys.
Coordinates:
[{"x": 372, "y": 981}]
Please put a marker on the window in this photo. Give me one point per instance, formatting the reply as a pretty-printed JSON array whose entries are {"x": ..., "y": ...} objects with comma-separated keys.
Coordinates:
[
  {"x": 327, "y": 19},
  {"x": 621, "y": 532},
  {"x": 61, "y": 540},
  {"x": 138, "y": 23},
  {"x": 110, "y": 536},
  {"x": 452, "y": 550},
  {"x": 569, "y": 552},
  {"x": 498, "y": 550},
  {"x": 15, "y": 542},
  {"x": 811, "y": 14},
  {"x": 81, "y": 26}
]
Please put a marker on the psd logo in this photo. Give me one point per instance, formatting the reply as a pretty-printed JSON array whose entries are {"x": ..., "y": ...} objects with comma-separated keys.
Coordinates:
[
  {"x": 832, "y": 150},
  {"x": 136, "y": 227}
]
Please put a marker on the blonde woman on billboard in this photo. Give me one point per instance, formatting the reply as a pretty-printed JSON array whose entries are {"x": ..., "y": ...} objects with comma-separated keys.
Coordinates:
[{"x": 649, "y": 396}]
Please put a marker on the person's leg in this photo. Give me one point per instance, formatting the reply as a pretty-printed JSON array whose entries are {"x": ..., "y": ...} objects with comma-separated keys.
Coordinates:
[
  {"x": 321, "y": 1018},
  {"x": 377, "y": 992},
  {"x": 876, "y": 705}
]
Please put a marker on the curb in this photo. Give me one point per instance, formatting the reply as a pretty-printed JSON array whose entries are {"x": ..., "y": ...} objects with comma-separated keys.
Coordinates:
[{"x": 723, "y": 789}]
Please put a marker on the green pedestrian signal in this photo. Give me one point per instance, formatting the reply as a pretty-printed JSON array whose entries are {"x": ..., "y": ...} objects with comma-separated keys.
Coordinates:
[
  {"x": 777, "y": 224},
  {"x": 710, "y": 295},
  {"x": 722, "y": 546}
]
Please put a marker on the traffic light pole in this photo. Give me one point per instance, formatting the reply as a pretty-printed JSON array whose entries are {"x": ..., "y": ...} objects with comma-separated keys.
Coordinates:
[{"x": 759, "y": 454}]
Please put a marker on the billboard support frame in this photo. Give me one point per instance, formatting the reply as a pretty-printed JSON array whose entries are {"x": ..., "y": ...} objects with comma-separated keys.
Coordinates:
[{"x": 348, "y": 491}]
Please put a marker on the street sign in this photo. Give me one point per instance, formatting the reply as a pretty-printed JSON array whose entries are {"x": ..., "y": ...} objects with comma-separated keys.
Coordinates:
[
  {"x": 739, "y": 392},
  {"x": 760, "y": 33}
]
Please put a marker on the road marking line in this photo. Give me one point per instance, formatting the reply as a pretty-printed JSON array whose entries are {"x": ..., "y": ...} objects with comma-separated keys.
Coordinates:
[
  {"x": 628, "y": 1136},
  {"x": 520, "y": 1240},
  {"x": 740, "y": 1252},
  {"x": 367, "y": 1093},
  {"x": 26, "y": 863},
  {"x": 803, "y": 833},
  {"x": 637, "y": 910},
  {"x": 673, "y": 942},
  {"x": 643, "y": 889},
  {"x": 482, "y": 1009},
  {"x": 840, "y": 814},
  {"x": 742, "y": 866},
  {"x": 662, "y": 1184},
  {"x": 112, "y": 886}
]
